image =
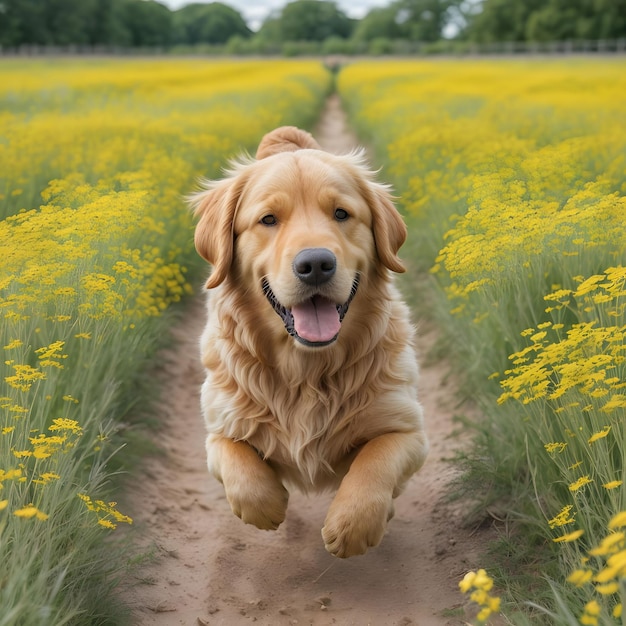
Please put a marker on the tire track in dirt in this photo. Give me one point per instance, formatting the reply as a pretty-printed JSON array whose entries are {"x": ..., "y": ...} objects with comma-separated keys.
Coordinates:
[{"x": 213, "y": 569}]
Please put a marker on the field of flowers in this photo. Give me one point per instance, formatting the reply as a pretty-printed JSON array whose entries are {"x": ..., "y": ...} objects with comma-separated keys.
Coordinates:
[
  {"x": 513, "y": 175},
  {"x": 96, "y": 245},
  {"x": 513, "y": 179}
]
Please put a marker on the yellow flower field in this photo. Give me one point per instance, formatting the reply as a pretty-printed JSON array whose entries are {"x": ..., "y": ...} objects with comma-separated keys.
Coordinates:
[
  {"x": 96, "y": 244},
  {"x": 513, "y": 177}
]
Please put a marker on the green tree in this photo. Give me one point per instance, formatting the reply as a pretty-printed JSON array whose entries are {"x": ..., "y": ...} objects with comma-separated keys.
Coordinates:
[
  {"x": 379, "y": 23},
  {"x": 313, "y": 20},
  {"x": 547, "y": 20},
  {"x": 47, "y": 22},
  {"x": 14, "y": 28},
  {"x": 606, "y": 19},
  {"x": 502, "y": 20},
  {"x": 552, "y": 22},
  {"x": 63, "y": 22},
  {"x": 423, "y": 20},
  {"x": 270, "y": 31},
  {"x": 108, "y": 23},
  {"x": 577, "y": 19},
  {"x": 149, "y": 23},
  {"x": 213, "y": 23}
]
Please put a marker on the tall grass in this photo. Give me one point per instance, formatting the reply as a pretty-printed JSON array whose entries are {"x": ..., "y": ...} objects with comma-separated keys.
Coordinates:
[
  {"x": 96, "y": 247},
  {"x": 513, "y": 176}
]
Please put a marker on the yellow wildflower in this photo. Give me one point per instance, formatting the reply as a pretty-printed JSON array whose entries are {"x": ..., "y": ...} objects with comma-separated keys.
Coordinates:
[
  {"x": 599, "y": 435},
  {"x": 48, "y": 355},
  {"x": 24, "y": 377},
  {"x": 573, "y": 536},
  {"x": 481, "y": 583},
  {"x": 580, "y": 577},
  {"x": 105, "y": 511},
  {"x": 21, "y": 454},
  {"x": 581, "y": 482},
  {"x": 562, "y": 518},
  {"x": 46, "y": 477},
  {"x": 16, "y": 343},
  {"x": 62, "y": 423},
  {"x": 617, "y": 521},
  {"x": 30, "y": 511},
  {"x": 107, "y": 523},
  {"x": 608, "y": 588},
  {"x": 617, "y": 401},
  {"x": 614, "y": 484},
  {"x": 609, "y": 544},
  {"x": 591, "y": 613}
]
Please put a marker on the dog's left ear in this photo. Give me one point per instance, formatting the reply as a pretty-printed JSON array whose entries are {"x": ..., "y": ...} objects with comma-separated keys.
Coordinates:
[
  {"x": 389, "y": 228},
  {"x": 214, "y": 236}
]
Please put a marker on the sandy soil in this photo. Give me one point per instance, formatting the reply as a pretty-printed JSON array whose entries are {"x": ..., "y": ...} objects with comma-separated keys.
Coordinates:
[{"x": 213, "y": 569}]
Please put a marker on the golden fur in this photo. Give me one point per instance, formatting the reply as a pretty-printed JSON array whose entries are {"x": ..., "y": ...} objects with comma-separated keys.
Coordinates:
[{"x": 281, "y": 414}]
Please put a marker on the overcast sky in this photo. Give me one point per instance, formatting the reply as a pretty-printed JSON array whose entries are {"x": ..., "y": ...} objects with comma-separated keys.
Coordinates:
[{"x": 255, "y": 11}]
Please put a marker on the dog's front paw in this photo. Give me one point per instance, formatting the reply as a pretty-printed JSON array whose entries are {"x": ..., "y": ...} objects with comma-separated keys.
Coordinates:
[
  {"x": 260, "y": 500},
  {"x": 355, "y": 524}
]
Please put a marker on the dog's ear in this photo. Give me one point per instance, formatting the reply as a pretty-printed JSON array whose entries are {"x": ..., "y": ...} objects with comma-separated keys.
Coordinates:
[
  {"x": 214, "y": 236},
  {"x": 389, "y": 228},
  {"x": 285, "y": 139}
]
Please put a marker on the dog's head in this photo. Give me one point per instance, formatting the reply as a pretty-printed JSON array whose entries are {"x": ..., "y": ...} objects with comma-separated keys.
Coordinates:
[{"x": 301, "y": 227}]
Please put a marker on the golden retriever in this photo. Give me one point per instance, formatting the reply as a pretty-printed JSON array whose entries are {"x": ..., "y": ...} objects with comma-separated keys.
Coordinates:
[{"x": 311, "y": 374}]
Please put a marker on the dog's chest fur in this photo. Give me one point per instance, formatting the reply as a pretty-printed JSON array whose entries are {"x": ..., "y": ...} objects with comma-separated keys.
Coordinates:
[
  {"x": 306, "y": 413},
  {"x": 309, "y": 430}
]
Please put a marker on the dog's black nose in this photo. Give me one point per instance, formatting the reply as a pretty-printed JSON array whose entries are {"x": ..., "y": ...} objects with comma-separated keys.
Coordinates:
[{"x": 315, "y": 266}]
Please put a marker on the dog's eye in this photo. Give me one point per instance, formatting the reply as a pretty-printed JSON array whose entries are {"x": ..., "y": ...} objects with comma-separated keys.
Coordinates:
[
  {"x": 269, "y": 220},
  {"x": 341, "y": 215}
]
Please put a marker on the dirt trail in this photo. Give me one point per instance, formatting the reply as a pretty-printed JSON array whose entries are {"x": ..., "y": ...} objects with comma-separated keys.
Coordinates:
[{"x": 213, "y": 569}]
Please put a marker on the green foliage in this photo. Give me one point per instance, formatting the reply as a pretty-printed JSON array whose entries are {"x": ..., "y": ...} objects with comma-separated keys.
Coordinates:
[
  {"x": 149, "y": 23},
  {"x": 423, "y": 20},
  {"x": 67, "y": 22},
  {"x": 85, "y": 22},
  {"x": 313, "y": 20},
  {"x": 378, "y": 23},
  {"x": 547, "y": 20},
  {"x": 401, "y": 27},
  {"x": 213, "y": 23},
  {"x": 137, "y": 23}
]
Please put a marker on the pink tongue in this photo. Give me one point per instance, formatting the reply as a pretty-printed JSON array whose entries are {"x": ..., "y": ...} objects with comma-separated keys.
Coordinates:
[{"x": 316, "y": 320}]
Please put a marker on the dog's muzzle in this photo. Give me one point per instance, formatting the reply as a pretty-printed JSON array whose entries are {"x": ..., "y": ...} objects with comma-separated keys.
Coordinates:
[{"x": 314, "y": 322}]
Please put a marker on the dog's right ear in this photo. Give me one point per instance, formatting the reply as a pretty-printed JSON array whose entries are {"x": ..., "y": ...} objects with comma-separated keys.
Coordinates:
[{"x": 214, "y": 236}]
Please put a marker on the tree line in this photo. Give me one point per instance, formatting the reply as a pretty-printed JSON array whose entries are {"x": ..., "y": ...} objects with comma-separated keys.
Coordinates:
[{"x": 305, "y": 25}]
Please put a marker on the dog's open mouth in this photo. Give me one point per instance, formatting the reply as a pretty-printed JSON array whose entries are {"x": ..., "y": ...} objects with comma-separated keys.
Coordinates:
[{"x": 315, "y": 322}]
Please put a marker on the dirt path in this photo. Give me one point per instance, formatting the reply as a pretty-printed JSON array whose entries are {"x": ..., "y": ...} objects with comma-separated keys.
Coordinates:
[{"x": 213, "y": 569}]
